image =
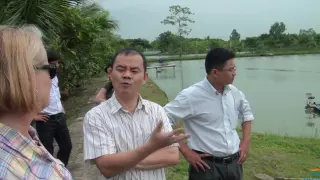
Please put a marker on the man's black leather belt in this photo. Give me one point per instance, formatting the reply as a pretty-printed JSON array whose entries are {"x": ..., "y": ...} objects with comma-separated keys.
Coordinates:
[{"x": 221, "y": 160}]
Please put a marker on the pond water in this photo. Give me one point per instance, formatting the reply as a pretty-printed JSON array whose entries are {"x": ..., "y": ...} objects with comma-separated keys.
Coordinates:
[{"x": 276, "y": 88}]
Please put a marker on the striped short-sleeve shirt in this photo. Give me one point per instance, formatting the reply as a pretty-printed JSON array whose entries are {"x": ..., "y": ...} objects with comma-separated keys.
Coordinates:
[
  {"x": 109, "y": 129},
  {"x": 24, "y": 158}
]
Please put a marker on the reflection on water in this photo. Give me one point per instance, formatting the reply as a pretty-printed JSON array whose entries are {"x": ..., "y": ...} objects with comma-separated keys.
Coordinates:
[
  {"x": 313, "y": 112},
  {"x": 275, "y": 87}
]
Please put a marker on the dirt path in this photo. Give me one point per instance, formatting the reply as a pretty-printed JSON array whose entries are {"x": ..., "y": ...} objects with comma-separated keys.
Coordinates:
[
  {"x": 79, "y": 170},
  {"x": 76, "y": 106}
]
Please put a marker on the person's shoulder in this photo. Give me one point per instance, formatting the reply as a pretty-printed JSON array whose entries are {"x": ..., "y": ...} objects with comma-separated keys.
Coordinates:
[
  {"x": 98, "y": 111},
  {"x": 234, "y": 88},
  {"x": 152, "y": 107},
  {"x": 193, "y": 89},
  {"x": 235, "y": 91},
  {"x": 150, "y": 104},
  {"x": 7, "y": 157}
]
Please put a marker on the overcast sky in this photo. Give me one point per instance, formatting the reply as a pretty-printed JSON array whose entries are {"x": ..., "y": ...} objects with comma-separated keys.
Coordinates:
[{"x": 216, "y": 18}]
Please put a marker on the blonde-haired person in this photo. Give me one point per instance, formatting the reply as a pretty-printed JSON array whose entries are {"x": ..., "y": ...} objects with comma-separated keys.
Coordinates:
[{"x": 24, "y": 91}]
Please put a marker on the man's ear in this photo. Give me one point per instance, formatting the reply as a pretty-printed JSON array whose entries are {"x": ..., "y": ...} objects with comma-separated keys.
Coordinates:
[
  {"x": 214, "y": 72},
  {"x": 146, "y": 77},
  {"x": 109, "y": 72}
]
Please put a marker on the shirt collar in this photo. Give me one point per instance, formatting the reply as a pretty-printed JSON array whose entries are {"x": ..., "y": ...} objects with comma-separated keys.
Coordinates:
[
  {"x": 116, "y": 106},
  {"x": 213, "y": 90}
]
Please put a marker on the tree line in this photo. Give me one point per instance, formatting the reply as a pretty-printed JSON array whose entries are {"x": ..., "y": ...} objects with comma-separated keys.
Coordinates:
[
  {"x": 84, "y": 34},
  {"x": 277, "y": 39}
]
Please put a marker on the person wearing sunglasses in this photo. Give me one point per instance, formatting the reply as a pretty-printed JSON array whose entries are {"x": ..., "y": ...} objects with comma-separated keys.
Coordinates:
[
  {"x": 24, "y": 91},
  {"x": 51, "y": 122}
]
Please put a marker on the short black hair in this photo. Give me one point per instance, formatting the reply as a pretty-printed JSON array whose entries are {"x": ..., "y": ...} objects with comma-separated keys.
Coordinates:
[
  {"x": 217, "y": 58},
  {"x": 129, "y": 52},
  {"x": 53, "y": 56}
]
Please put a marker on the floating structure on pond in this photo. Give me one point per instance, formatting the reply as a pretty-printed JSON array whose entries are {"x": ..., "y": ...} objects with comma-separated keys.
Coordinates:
[
  {"x": 163, "y": 66},
  {"x": 311, "y": 104}
]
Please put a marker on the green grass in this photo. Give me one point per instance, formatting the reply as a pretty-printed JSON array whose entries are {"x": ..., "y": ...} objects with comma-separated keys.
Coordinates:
[
  {"x": 277, "y": 156},
  {"x": 153, "y": 93},
  {"x": 274, "y": 155},
  {"x": 201, "y": 57}
]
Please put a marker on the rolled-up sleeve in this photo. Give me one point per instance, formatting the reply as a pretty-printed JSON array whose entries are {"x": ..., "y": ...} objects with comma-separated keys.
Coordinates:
[
  {"x": 98, "y": 139},
  {"x": 245, "y": 109},
  {"x": 179, "y": 109}
]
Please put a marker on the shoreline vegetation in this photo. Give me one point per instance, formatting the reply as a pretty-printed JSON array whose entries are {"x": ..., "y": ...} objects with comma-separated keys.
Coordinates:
[
  {"x": 275, "y": 155},
  {"x": 249, "y": 54}
]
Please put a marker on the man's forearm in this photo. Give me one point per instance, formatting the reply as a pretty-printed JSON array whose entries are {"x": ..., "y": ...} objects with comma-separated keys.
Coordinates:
[
  {"x": 114, "y": 164},
  {"x": 246, "y": 131},
  {"x": 162, "y": 158},
  {"x": 183, "y": 147}
]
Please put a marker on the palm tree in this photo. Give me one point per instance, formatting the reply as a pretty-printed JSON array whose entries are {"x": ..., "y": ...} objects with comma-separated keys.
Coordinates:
[{"x": 48, "y": 15}]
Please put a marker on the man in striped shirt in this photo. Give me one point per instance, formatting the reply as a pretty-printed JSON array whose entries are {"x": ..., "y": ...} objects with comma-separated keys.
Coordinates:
[{"x": 128, "y": 137}]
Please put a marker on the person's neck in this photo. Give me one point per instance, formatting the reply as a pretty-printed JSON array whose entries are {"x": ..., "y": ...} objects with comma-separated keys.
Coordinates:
[
  {"x": 217, "y": 86},
  {"x": 18, "y": 122},
  {"x": 128, "y": 102}
]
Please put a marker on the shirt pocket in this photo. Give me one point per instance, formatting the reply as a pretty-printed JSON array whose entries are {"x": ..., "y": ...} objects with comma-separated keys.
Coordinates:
[
  {"x": 234, "y": 111},
  {"x": 234, "y": 118}
]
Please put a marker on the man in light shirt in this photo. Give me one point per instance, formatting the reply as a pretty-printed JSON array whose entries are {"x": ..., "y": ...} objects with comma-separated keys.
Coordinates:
[
  {"x": 210, "y": 110},
  {"x": 51, "y": 122},
  {"x": 121, "y": 135}
]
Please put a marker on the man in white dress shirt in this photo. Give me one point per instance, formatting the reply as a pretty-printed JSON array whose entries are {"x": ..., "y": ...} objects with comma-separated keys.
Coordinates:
[
  {"x": 211, "y": 110},
  {"x": 121, "y": 135},
  {"x": 51, "y": 122}
]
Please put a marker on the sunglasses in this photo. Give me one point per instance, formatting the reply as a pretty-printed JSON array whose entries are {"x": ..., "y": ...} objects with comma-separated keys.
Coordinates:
[{"x": 52, "y": 69}]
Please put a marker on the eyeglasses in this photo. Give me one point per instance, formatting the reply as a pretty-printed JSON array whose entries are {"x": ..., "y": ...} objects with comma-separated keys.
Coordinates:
[{"x": 52, "y": 69}]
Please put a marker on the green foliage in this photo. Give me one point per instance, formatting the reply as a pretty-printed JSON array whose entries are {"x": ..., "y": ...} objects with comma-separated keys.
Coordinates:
[
  {"x": 139, "y": 44},
  {"x": 82, "y": 32},
  {"x": 179, "y": 16},
  {"x": 167, "y": 42},
  {"x": 87, "y": 43},
  {"x": 276, "y": 41},
  {"x": 47, "y": 15}
]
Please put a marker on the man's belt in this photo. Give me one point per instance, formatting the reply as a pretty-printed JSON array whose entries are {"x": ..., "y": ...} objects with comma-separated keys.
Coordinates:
[{"x": 222, "y": 160}]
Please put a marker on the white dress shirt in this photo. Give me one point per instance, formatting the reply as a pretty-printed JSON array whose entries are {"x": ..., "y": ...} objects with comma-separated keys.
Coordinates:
[
  {"x": 210, "y": 117},
  {"x": 109, "y": 129},
  {"x": 55, "y": 106}
]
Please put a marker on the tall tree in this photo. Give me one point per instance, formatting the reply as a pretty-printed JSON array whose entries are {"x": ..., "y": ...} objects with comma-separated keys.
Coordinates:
[
  {"x": 234, "y": 36},
  {"x": 179, "y": 16},
  {"x": 277, "y": 29},
  {"x": 234, "y": 41}
]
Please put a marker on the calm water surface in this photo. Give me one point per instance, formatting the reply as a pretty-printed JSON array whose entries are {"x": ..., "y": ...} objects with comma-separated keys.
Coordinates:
[{"x": 276, "y": 88}]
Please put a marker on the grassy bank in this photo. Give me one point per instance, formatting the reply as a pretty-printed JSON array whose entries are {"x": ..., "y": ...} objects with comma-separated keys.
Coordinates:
[
  {"x": 201, "y": 57},
  {"x": 274, "y": 155}
]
